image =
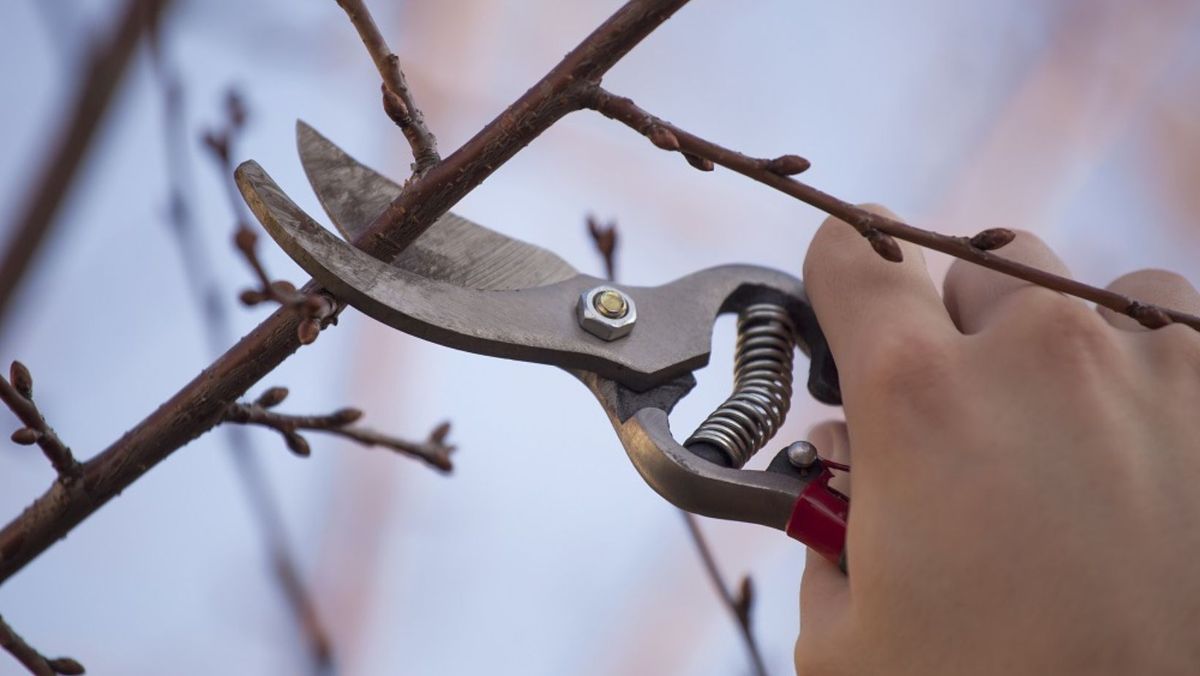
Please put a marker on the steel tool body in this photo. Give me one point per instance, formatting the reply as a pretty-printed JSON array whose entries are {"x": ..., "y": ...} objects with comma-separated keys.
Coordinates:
[{"x": 469, "y": 288}]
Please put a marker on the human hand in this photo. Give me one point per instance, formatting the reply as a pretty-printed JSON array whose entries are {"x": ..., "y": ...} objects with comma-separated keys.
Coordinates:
[{"x": 1026, "y": 473}]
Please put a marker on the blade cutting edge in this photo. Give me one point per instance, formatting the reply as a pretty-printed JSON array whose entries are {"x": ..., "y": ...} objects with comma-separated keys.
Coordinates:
[{"x": 453, "y": 250}]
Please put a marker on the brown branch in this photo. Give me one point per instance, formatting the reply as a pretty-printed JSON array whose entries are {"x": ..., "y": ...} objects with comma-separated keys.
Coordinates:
[
  {"x": 201, "y": 403},
  {"x": 32, "y": 659},
  {"x": 558, "y": 93},
  {"x": 604, "y": 240},
  {"x": 739, "y": 605},
  {"x": 433, "y": 451},
  {"x": 209, "y": 301},
  {"x": 97, "y": 84},
  {"x": 398, "y": 100},
  {"x": 17, "y": 393},
  {"x": 876, "y": 228}
]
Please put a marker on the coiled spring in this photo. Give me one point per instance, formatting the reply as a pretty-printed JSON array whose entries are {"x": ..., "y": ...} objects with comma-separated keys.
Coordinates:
[{"x": 762, "y": 386}]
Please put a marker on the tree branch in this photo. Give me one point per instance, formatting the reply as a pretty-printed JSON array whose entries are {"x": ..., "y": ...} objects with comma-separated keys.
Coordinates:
[
  {"x": 558, "y": 93},
  {"x": 876, "y": 228},
  {"x": 433, "y": 451},
  {"x": 97, "y": 84},
  {"x": 201, "y": 403},
  {"x": 17, "y": 393},
  {"x": 33, "y": 660},
  {"x": 397, "y": 98},
  {"x": 738, "y": 606}
]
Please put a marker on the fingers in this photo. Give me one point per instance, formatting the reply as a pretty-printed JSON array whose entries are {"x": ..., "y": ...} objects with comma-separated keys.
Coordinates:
[
  {"x": 824, "y": 591},
  {"x": 859, "y": 297},
  {"x": 1160, "y": 287},
  {"x": 824, "y": 605},
  {"x": 973, "y": 293}
]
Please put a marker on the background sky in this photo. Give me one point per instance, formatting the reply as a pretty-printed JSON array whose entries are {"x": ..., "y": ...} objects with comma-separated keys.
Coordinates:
[{"x": 544, "y": 552}]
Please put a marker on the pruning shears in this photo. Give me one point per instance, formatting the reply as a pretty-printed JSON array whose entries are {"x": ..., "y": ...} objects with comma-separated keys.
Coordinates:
[{"x": 470, "y": 288}]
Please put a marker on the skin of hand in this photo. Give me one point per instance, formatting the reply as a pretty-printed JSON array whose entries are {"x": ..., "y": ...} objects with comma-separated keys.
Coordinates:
[{"x": 1025, "y": 469}]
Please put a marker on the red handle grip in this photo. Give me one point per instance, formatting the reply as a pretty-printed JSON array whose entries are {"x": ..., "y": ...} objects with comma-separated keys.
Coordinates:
[{"x": 819, "y": 518}]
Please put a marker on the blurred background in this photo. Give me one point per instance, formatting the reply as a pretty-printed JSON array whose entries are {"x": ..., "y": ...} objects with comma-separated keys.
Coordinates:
[{"x": 543, "y": 552}]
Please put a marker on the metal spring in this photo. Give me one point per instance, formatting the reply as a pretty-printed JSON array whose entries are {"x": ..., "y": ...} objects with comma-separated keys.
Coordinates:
[{"x": 762, "y": 385}]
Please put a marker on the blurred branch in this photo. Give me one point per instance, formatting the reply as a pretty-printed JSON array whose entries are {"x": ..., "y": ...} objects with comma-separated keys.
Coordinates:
[
  {"x": 604, "y": 239},
  {"x": 878, "y": 230},
  {"x": 202, "y": 403},
  {"x": 199, "y": 273},
  {"x": 398, "y": 100},
  {"x": 97, "y": 83},
  {"x": 433, "y": 451},
  {"x": 17, "y": 393},
  {"x": 739, "y": 606},
  {"x": 33, "y": 660}
]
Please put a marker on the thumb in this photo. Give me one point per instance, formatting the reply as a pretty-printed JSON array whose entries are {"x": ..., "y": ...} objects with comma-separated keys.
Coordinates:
[
  {"x": 824, "y": 589},
  {"x": 824, "y": 602}
]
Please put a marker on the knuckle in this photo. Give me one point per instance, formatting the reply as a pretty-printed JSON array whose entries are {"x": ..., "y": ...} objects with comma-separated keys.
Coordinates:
[
  {"x": 911, "y": 365},
  {"x": 1068, "y": 333}
]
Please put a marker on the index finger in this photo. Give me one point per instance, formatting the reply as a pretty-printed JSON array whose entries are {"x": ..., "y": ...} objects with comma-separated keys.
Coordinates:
[{"x": 864, "y": 302}]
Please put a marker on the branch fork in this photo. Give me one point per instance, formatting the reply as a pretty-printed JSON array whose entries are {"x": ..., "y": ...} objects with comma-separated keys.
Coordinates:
[{"x": 433, "y": 451}]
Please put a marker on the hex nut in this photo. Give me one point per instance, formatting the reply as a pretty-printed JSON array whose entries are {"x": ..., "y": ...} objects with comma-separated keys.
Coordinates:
[{"x": 594, "y": 321}]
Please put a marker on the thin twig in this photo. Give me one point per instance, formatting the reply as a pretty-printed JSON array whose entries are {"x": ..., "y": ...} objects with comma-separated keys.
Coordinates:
[
  {"x": 17, "y": 393},
  {"x": 210, "y": 302},
  {"x": 201, "y": 403},
  {"x": 398, "y": 100},
  {"x": 32, "y": 659},
  {"x": 876, "y": 228},
  {"x": 604, "y": 240},
  {"x": 313, "y": 307},
  {"x": 434, "y": 451},
  {"x": 559, "y": 92},
  {"x": 69, "y": 145},
  {"x": 739, "y": 606}
]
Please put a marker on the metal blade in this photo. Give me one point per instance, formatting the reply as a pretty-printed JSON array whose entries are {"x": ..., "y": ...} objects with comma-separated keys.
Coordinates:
[
  {"x": 674, "y": 324},
  {"x": 454, "y": 250}
]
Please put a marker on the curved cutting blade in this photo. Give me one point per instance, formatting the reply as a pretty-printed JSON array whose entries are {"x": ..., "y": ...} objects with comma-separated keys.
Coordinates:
[
  {"x": 454, "y": 250},
  {"x": 674, "y": 324}
]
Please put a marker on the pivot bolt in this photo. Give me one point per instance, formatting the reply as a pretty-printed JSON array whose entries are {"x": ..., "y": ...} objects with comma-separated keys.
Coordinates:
[
  {"x": 801, "y": 454},
  {"x": 611, "y": 303},
  {"x": 606, "y": 312}
]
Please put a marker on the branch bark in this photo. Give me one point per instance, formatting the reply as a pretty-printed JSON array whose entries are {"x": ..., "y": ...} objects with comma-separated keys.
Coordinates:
[
  {"x": 200, "y": 404},
  {"x": 773, "y": 173},
  {"x": 397, "y": 97},
  {"x": 97, "y": 84},
  {"x": 18, "y": 395},
  {"x": 33, "y": 660}
]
